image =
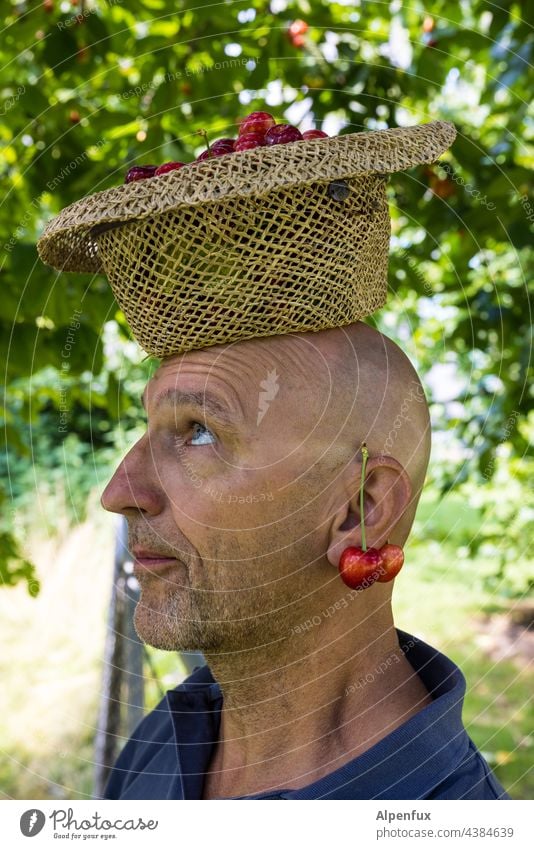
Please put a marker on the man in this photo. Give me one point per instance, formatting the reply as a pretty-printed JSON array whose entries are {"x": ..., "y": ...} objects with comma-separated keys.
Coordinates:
[
  {"x": 248, "y": 275},
  {"x": 237, "y": 529}
]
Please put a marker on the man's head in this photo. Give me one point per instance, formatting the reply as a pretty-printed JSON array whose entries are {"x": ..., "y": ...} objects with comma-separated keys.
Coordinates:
[{"x": 255, "y": 490}]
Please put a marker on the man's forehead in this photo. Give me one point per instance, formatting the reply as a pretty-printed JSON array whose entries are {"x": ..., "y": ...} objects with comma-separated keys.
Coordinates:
[
  {"x": 246, "y": 362},
  {"x": 205, "y": 366},
  {"x": 244, "y": 373},
  {"x": 220, "y": 380}
]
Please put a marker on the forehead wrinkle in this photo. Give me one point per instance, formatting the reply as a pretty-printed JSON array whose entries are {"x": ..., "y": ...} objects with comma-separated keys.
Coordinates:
[
  {"x": 219, "y": 372},
  {"x": 300, "y": 354},
  {"x": 231, "y": 390},
  {"x": 222, "y": 403},
  {"x": 305, "y": 371},
  {"x": 286, "y": 350},
  {"x": 310, "y": 390},
  {"x": 291, "y": 357},
  {"x": 301, "y": 364},
  {"x": 240, "y": 370},
  {"x": 298, "y": 377},
  {"x": 205, "y": 400}
]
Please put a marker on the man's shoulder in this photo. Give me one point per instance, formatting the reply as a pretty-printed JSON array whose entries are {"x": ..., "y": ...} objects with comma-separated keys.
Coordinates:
[
  {"x": 471, "y": 779},
  {"x": 430, "y": 756}
]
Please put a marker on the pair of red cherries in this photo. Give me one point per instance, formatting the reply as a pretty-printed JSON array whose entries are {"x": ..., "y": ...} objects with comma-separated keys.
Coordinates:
[{"x": 360, "y": 567}]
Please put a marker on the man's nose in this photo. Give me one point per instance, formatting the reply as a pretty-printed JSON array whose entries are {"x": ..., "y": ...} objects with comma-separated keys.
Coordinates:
[{"x": 131, "y": 488}]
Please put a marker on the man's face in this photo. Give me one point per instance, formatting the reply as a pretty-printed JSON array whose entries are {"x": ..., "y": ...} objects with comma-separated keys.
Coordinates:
[{"x": 225, "y": 481}]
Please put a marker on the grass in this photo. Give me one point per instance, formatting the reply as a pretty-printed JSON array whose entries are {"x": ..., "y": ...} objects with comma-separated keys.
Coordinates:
[
  {"x": 441, "y": 599},
  {"x": 51, "y": 670},
  {"x": 51, "y": 673}
]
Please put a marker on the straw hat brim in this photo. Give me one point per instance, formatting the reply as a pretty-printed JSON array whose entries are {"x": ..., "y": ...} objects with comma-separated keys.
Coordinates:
[{"x": 68, "y": 242}]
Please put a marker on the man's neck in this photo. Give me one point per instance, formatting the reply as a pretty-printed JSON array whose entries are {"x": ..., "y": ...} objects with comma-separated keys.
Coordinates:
[{"x": 296, "y": 711}]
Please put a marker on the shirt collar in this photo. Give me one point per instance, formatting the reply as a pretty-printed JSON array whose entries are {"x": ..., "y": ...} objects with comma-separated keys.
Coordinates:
[
  {"x": 195, "y": 708},
  {"x": 420, "y": 753}
]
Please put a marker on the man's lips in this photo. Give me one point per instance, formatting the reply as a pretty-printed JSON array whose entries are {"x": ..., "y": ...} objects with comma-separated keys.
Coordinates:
[{"x": 152, "y": 559}]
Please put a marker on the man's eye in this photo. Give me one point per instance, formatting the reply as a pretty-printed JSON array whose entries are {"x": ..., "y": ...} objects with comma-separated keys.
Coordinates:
[{"x": 202, "y": 435}]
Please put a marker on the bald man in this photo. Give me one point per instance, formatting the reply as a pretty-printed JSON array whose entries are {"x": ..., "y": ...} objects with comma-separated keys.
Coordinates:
[{"x": 240, "y": 499}]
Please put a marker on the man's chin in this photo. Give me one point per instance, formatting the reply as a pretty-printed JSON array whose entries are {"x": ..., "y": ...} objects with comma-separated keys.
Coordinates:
[
  {"x": 174, "y": 622},
  {"x": 164, "y": 618},
  {"x": 157, "y": 630}
]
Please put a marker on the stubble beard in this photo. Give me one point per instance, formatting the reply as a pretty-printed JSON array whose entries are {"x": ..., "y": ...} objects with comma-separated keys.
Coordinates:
[
  {"x": 219, "y": 608},
  {"x": 175, "y": 617},
  {"x": 165, "y": 617}
]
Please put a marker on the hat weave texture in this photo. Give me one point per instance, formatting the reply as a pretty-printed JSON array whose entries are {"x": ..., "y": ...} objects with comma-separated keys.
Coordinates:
[{"x": 246, "y": 245}]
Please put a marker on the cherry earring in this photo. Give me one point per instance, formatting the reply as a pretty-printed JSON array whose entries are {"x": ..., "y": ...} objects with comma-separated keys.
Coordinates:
[
  {"x": 361, "y": 567},
  {"x": 392, "y": 561}
]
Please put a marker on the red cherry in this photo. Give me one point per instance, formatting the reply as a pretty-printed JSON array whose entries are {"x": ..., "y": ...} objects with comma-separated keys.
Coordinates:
[
  {"x": 140, "y": 172},
  {"x": 392, "y": 561},
  {"x": 359, "y": 568},
  {"x": 213, "y": 152},
  {"x": 315, "y": 134},
  {"x": 222, "y": 151},
  {"x": 247, "y": 145},
  {"x": 248, "y": 141},
  {"x": 251, "y": 137},
  {"x": 168, "y": 166},
  {"x": 298, "y": 27},
  {"x": 226, "y": 143},
  {"x": 256, "y": 122},
  {"x": 282, "y": 134},
  {"x": 206, "y": 154},
  {"x": 442, "y": 188}
]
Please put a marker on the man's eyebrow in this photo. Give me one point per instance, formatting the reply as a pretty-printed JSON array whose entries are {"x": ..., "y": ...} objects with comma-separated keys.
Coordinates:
[{"x": 205, "y": 401}]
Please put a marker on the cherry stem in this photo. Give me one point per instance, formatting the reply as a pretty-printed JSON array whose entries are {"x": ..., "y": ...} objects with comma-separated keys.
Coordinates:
[
  {"x": 365, "y": 455},
  {"x": 204, "y": 134}
]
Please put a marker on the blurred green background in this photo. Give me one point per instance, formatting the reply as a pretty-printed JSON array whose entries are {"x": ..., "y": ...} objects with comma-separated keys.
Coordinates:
[{"x": 89, "y": 89}]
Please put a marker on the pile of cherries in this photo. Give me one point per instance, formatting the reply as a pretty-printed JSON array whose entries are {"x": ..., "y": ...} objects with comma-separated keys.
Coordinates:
[
  {"x": 259, "y": 129},
  {"x": 360, "y": 566}
]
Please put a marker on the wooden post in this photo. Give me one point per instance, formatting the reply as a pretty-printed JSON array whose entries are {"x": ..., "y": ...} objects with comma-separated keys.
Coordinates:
[
  {"x": 134, "y": 682},
  {"x": 109, "y": 718}
]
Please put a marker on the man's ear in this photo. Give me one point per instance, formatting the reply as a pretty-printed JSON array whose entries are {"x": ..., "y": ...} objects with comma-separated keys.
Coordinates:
[{"x": 387, "y": 494}]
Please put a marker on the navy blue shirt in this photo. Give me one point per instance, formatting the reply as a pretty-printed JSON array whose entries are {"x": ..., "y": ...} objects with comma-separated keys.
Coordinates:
[{"x": 428, "y": 757}]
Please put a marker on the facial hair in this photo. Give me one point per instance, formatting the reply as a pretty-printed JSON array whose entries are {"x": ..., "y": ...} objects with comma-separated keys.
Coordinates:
[{"x": 191, "y": 606}]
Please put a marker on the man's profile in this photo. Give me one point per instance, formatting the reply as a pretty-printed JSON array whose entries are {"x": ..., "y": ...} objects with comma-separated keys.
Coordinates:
[
  {"x": 255, "y": 584},
  {"x": 280, "y": 429}
]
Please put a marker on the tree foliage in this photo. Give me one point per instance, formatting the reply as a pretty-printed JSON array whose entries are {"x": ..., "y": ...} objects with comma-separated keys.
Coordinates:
[{"x": 89, "y": 88}]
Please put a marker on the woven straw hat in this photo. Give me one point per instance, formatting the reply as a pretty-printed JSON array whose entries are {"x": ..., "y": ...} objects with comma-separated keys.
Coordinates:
[{"x": 283, "y": 239}]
